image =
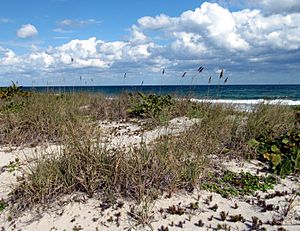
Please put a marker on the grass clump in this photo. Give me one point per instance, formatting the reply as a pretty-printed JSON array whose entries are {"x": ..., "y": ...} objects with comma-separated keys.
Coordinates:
[
  {"x": 114, "y": 109},
  {"x": 39, "y": 120},
  {"x": 85, "y": 165},
  {"x": 269, "y": 121},
  {"x": 3, "y": 205},
  {"x": 235, "y": 184}
]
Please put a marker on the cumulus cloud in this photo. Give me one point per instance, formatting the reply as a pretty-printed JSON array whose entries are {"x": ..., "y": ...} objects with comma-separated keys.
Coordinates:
[
  {"x": 210, "y": 35},
  {"x": 27, "y": 31}
]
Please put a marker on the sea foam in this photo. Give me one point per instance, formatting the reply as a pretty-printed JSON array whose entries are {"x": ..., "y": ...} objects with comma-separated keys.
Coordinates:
[
  {"x": 250, "y": 101},
  {"x": 248, "y": 104}
]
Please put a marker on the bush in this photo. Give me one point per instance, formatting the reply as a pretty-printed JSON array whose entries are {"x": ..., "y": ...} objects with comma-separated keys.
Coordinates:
[
  {"x": 282, "y": 153},
  {"x": 150, "y": 105},
  {"x": 11, "y": 91}
]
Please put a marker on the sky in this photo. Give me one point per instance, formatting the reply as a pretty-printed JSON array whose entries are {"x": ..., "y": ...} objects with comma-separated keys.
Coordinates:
[{"x": 92, "y": 42}]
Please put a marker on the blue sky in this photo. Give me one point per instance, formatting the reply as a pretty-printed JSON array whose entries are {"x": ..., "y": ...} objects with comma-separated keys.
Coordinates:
[
  {"x": 74, "y": 42},
  {"x": 113, "y": 18}
]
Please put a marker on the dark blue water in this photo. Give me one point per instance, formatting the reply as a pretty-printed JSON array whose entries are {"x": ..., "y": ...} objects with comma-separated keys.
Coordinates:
[{"x": 291, "y": 92}]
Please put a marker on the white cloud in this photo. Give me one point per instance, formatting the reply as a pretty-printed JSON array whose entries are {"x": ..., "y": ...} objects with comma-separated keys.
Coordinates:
[
  {"x": 276, "y": 6},
  {"x": 5, "y": 20},
  {"x": 63, "y": 31},
  {"x": 27, "y": 31},
  {"x": 153, "y": 23},
  {"x": 269, "y": 32},
  {"x": 267, "y": 6},
  {"x": 212, "y": 27},
  {"x": 210, "y": 22},
  {"x": 137, "y": 36},
  {"x": 210, "y": 35},
  {"x": 78, "y": 23}
]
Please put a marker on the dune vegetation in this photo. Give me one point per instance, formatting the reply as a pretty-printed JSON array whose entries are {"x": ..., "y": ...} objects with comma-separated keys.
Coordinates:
[{"x": 87, "y": 164}]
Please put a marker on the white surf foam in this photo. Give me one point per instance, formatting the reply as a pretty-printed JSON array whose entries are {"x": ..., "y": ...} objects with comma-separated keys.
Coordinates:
[
  {"x": 248, "y": 104},
  {"x": 250, "y": 101}
]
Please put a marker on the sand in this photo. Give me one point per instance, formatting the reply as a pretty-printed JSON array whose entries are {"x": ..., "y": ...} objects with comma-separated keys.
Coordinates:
[{"x": 76, "y": 212}]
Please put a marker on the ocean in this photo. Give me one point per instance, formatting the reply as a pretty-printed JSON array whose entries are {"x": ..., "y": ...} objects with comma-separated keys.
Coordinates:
[{"x": 288, "y": 94}]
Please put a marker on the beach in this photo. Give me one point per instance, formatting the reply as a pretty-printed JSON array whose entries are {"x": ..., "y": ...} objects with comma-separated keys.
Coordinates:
[{"x": 189, "y": 201}]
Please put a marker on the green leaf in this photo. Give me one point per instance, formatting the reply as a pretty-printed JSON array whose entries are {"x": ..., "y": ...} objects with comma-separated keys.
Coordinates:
[
  {"x": 276, "y": 159},
  {"x": 253, "y": 143},
  {"x": 297, "y": 162},
  {"x": 286, "y": 168},
  {"x": 267, "y": 156},
  {"x": 275, "y": 149},
  {"x": 285, "y": 140}
]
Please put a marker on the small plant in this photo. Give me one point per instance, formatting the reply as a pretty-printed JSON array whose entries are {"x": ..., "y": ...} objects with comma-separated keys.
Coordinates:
[
  {"x": 180, "y": 224},
  {"x": 194, "y": 206},
  {"x": 13, "y": 165},
  {"x": 3, "y": 205},
  {"x": 233, "y": 184},
  {"x": 142, "y": 214},
  {"x": 199, "y": 223},
  {"x": 282, "y": 154},
  {"x": 256, "y": 223},
  {"x": 223, "y": 227},
  {"x": 237, "y": 218},
  {"x": 163, "y": 228},
  {"x": 223, "y": 215},
  {"x": 235, "y": 206},
  {"x": 176, "y": 210},
  {"x": 77, "y": 228},
  {"x": 214, "y": 208}
]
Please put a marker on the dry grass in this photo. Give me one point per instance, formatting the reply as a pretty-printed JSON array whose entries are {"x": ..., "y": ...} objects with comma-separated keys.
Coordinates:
[
  {"x": 269, "y": 121},
  {"x": 87, "y": 166},
  {"x": 84, "y": 164}
]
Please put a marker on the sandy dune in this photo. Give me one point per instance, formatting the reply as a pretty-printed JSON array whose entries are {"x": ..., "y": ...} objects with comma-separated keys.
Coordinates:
[{"x": 180, "y": 211}]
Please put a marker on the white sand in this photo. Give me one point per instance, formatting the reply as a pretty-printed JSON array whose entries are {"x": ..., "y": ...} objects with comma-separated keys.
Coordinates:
[{"x": 78, "y": 211}]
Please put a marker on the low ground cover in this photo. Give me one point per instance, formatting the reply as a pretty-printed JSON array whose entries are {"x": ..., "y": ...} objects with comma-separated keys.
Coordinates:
[{"x": 170, "y": 164}]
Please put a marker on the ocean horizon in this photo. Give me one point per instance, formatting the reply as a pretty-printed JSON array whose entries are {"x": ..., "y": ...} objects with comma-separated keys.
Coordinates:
[{"x": 226, "y": 92}]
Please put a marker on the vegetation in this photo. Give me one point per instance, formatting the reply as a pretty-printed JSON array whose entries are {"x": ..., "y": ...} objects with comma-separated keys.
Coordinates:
[
  {"x": 150, "y": 105},
  {"x": 3, "y": 205},
  {"x": 11, "y": 91},
  {"x": 234, "y": 184},
  {"x": 86, "y": 164},
  {"x": 282, "y": 154}
]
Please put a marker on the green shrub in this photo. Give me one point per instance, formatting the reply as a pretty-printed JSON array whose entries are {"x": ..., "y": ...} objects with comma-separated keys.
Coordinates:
[
  {"x": 282, "y": 154},
  {"x": 11, "y": 91},
  {"x": 150, "y": 105}
]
